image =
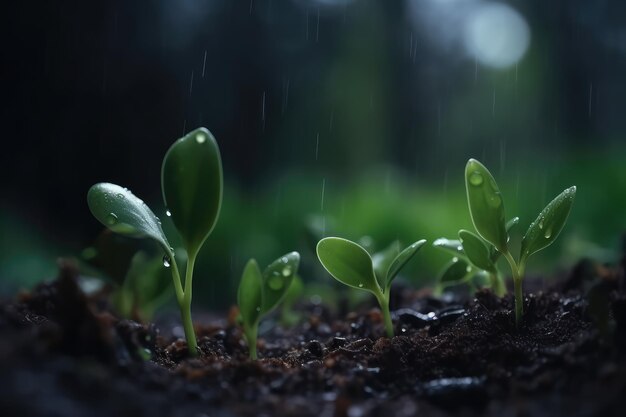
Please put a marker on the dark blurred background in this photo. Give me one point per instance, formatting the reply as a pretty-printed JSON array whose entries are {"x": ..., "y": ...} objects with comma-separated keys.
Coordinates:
[{"x": 350, "y": 117}]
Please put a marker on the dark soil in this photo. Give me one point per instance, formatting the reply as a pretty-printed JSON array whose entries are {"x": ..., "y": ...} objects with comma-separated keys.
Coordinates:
[{"x": 64, "y": 354}]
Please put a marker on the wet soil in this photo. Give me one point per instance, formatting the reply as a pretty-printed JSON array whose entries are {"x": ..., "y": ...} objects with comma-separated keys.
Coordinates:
[{"x": 65, "y": 354}]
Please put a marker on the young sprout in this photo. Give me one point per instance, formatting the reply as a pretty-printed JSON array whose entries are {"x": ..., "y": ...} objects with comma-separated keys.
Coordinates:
[
  {"x": 487, "y": 212},
  {"x": 259, "y": 293},
  {"x": 350, "y": 264},
  {"x": 191, "y": 183}
]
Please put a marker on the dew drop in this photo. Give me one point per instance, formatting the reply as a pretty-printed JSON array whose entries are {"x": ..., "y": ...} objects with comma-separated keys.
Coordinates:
[
  {"x": 286, "y": 271},
  {"x": 276, "y": 283},
  {"x": 495, "y": 201},
  {"x": 167, "y": 262},
  {"x": 120, "y": 196},
  {"x": 455, "y": 259},
  {"x": 168, "y": 213},
  {"x": 459, "y": 248},
  {"x": 284, "y": 259},
  {"x": 476, "y": 178},
  {"x": 468, "y": 269},
  {"x": 548, "y": 233},
  {"x": 111, "y": 219},
  {"x": 360, "y": 285},
  {"x": 541, "y": 224},
  {"x": 200, "y": 137}
]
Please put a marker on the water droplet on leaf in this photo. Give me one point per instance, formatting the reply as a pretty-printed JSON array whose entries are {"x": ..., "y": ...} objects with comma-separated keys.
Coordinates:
[
  {"x": 548, "y": 233},
  {"x": 286, "y": 271},
  {"x": 476, "y": 178},
  {"x": 168, "y": 213},
  {"x": 276, "y": 283},
  {"x": 167, "y": 262},
  {"x": 111, "y": 219},
  {"x": 200, "y": 137},
  {"x": 360, "y": 285}
]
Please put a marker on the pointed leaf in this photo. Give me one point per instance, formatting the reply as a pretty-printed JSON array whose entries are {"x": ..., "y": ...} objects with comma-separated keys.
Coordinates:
[
  {"x": 122, "y": 212},
  {"x": 382, "y": 260},
  {"x": 545, "y": 229},
  {"x": 249, "y": 294},
  {"x": 348, "y": 263},
  {"x": 191, "y": 181},
  {"x": 454, "y": 272},
  {"x": 450, "y": 245},
  {"x": 401, "y": 260},
  {"x": 485, "y": 204},
  {"x": 476, "y": 251},
  {"x": 277, "y": 278}
]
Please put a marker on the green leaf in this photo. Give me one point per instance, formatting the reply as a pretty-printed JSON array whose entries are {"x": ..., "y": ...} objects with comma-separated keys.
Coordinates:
[
  {"x": 455, "y": 272},
  {"x": 545, "y": 229},
  {"x": 122, "y": 212},
  {"x": 382, "y": 260},
  {"x": 348, "y": 263},
  {"x": 485, "y": 204},
  {"x": 192, "y": 183},
  {"x": 401, "y": 260},
  {"x": 277, "y": 279},
  {"x": 477, "y": 252},
  {"x": 452, "y": 246},
  {"x": 250, "y": 293}
]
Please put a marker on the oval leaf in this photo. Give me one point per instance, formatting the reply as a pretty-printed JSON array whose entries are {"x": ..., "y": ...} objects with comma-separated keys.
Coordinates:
[
  {"x": 476, "y": 251},
  {"x": 382, "y": 260},
  {"x": 545, "y": 229},
  {"x": 249, "y": 294},
  {"x": 450, "y": 245},
  {"x": 122, "y": 212},
  {"x": 348, "y": 263},
  {"x": 191, "y": 181},
  {"x": 455, "y": 272},
  {"x": 277, "y": 279},
  {"x": 401, "y": 260},
  {"x": 485, "y": 204}
]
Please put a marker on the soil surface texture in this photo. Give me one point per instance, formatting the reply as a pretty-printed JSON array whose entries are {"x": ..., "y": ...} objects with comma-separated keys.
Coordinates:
[{"x": 63, "y": 353}]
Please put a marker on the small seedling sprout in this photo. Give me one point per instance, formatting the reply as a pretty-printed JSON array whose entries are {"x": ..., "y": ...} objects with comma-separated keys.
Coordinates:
[
  {"x": 259, "y": 293},
  {"x": 350, "y": 264},
  {"x": 191, "y": 183},
  {"x": 487, "y": 212}
]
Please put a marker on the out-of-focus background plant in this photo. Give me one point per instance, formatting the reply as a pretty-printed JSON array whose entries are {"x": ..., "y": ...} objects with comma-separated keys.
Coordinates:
[{"x": 334, "y": 117}]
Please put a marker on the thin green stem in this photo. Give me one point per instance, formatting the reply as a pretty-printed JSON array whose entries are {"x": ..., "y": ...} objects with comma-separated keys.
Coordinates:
[
  {"x": 383, "y": 301},
  {"x": 517, "y": 284},
  {"x": 496, "y": 283},
  {"x": 251, "y": 337},
  {"x": 185, "y": 307}
]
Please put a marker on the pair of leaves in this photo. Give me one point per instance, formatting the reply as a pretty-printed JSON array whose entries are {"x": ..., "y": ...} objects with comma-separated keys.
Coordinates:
[
  {"x": 191, "y": 182},
  {"x": 259, "y": 293},
  {"x": 487, "y": 212},
  {"x": 350, "y": 264}
]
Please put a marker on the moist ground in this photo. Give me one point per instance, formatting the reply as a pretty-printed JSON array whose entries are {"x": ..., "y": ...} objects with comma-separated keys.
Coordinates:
[{"x": 62, "y": 353}]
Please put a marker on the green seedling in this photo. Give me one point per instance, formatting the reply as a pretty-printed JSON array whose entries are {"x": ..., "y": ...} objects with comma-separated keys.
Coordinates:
[
  {"x": 350, "y": 264},
  {"x": 259, "y": 293},
  {"x": 487, "y": 212},
  {"x": 479, "y": 258},
  {"x": 191, "y": 183}
]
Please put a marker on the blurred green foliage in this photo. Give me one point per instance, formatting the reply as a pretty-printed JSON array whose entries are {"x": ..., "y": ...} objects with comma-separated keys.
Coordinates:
[{"x": 383, "y": 204}]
